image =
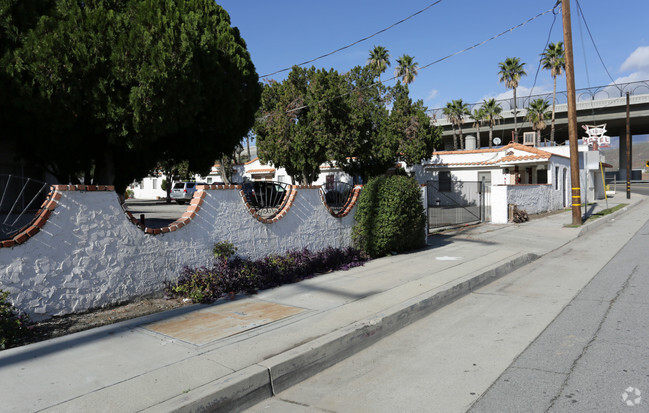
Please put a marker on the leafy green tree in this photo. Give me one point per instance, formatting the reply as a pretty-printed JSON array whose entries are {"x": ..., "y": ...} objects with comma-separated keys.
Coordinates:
[
  {"x": 537, "y": 114},
  {"x": 511, "y": 71},
  {"x": 456, "y": 111},
  {"x": 125, "y": 82},
  {"x": 298, "y": 120},
  {"x": 379, "y": 60},
  {"x": 17, "y": 18},
  {"x": 376, "y": 139},
  {"x": 410, "y": 128},
  {"x": 361, "y": 149},
  {"x": 554, "y": 60},
  {"x": 492, "y": 111},
  {"x": 318, "y": 116},
  {"x": 406, "y": 69}
]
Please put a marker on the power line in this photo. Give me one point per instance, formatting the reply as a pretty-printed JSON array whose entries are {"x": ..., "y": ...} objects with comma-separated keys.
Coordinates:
[
  {"x": 581, "y": 12},
  {"x": 357, "y": 41},
  {"x": 538, "y": 67},
  {"x": 511, "y": 29},
  {"x": 488, "y": 40}
]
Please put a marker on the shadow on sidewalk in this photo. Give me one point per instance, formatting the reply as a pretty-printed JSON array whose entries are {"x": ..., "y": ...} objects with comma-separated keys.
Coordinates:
[{"x": 45, "y": 348}]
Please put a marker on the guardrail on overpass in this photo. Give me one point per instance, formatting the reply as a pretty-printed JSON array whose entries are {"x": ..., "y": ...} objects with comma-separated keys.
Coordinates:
[{"x": 601, "y": 104}]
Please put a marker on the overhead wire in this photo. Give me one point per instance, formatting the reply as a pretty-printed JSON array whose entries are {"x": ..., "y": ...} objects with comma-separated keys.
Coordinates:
[
  {"x": 581, "y": 13},
  {"x": 583, "y": 49},
  {"x": 357, "y": 41},
  {"x": 538, "y": 67},
  {"x": 511, "y": 29}
]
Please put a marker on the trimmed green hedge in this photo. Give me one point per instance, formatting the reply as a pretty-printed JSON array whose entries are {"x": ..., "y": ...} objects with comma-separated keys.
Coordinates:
[{"x": 390, "y": 216}]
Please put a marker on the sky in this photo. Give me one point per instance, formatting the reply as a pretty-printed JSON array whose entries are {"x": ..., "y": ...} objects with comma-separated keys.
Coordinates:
[{"x": 282, "y": 33}]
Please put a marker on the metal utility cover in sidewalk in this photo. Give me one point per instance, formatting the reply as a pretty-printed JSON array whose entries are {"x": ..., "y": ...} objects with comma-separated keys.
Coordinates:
[{"x": 220, "y": 321}]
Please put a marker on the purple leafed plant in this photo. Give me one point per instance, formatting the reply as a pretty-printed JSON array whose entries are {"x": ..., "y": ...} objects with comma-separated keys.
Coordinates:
[{"x": 232, "y": 275}]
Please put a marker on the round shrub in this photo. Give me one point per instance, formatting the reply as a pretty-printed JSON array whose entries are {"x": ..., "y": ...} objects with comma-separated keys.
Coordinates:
[{"x": 390, "y": 216}]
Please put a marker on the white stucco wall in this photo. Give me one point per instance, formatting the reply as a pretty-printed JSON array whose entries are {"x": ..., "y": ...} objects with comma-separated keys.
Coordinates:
[
  {"x": 499, "y": 211},
  {"x": 88, "y": 254},
  {"x": 533, "y": 199}
]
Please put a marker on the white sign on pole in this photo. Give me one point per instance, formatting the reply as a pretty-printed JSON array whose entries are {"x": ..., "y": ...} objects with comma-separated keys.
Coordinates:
[{"x": 596, "y": 134}]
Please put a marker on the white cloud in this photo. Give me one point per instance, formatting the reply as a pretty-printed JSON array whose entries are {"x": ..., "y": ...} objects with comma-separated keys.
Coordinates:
[
  {"x": 433, "y": 94},
  {"x": 638, "y": 60}
]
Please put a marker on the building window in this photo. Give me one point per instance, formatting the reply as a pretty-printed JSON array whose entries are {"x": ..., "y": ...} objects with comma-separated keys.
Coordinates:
[
  {"x": 541, "y": 176},
  {"x": 445, "y": 181},
  {"x": 556, "y": 178},
  {"x": 154, "y": 182},
  {"x": 330, "y": 182}
]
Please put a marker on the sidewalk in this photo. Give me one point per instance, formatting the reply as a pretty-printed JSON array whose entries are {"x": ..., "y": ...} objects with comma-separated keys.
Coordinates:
[{"x": 231, "y": 355}]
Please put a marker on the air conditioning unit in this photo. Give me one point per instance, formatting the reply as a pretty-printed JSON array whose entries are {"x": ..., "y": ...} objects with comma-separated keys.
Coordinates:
[{"x": 529, "y": 138}]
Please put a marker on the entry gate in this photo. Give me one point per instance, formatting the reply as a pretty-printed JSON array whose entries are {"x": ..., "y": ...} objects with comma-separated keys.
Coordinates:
[{"x": 453, "y": 203}]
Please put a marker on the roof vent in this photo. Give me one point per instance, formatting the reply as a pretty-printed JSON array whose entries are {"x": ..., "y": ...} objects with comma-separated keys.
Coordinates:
[{"x": 529, "y": 138}]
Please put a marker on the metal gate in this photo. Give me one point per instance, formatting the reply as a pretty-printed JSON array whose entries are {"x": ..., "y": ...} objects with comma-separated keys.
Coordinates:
[{"x": 453, "y": 203}]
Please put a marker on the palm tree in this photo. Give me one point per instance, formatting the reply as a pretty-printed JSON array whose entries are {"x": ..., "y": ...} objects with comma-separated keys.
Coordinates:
[
  {"x": 455, "y": 111},
  {"x": 511, "y": 71},
  {"x": 553, "y": 59},
  {"x": 406, "y": 69},
  {"x": 450, "y": 115},
  {"x": 478, "y": 116},
  {"x": 492, "y": 110},
  {"x": 537, "y": 113},
  {"x": 379, "y": 59}
]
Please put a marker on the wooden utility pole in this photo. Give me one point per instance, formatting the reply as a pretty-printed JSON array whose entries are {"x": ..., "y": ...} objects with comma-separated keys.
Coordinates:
[
  {"x": 572, "y": 114},
  {"x": 629, "y": 169}
]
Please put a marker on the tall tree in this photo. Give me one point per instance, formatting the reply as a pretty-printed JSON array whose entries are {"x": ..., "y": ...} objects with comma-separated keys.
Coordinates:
[
  {"x": 298, "y": 120},
  {"x": 450, "y": 115},
  {"x": 492, "y": 110},
  {"x": 125, "y": 81},
  {"x": 478, "y": 116},
  {"x": 511, "y": 71},
  {"x": 456, "y": 111},
  {"x": 537, "y": 114},
  {"x": 361, "y": 150},
  {"x": 379, "y": 60},
  {"x": 406, "y": 69},
  {"x": 409, "y": 129},
  {"x": 553, "y": 59}
]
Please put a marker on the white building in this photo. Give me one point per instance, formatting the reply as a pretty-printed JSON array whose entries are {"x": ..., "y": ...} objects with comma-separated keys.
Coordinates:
[
  {"x": 255, "y": 170},
  {"x": 534, "y": 179}
]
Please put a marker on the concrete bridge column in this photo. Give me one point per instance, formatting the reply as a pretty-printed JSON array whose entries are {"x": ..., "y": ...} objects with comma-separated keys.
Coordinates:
[{"x": 622, "y": 155}]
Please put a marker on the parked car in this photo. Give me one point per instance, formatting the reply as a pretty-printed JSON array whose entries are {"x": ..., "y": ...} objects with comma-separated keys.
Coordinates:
[
  {"x": 264, "y": 194},
  {"x": 184, "y": 191}
]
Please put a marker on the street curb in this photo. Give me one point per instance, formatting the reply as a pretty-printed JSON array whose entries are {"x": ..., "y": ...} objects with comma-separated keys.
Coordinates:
[
  {"x": 241, "y": 390},
  {"x": 604, "y": 220}
]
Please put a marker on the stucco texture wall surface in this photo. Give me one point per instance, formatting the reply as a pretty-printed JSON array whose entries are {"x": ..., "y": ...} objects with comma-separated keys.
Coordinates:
[
  {"x": 533, "y": 199},
  {"x": 89, "y": 253}
]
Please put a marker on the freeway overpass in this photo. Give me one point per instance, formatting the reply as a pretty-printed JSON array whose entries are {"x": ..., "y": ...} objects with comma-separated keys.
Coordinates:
[{"x": 597, "y": 105}]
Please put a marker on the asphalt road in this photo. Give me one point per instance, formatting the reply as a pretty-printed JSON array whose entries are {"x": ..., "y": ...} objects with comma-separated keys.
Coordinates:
[
  {"x": 565, "y": 333},
  {"x": 594, "y": 356},
  {"x": 157, "y": 214}
]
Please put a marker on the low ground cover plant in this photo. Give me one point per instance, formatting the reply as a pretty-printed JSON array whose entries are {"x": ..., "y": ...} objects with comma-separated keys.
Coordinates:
[
  {"x": 231, "y": 274},
  {"x": 14, "y": 324}
]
